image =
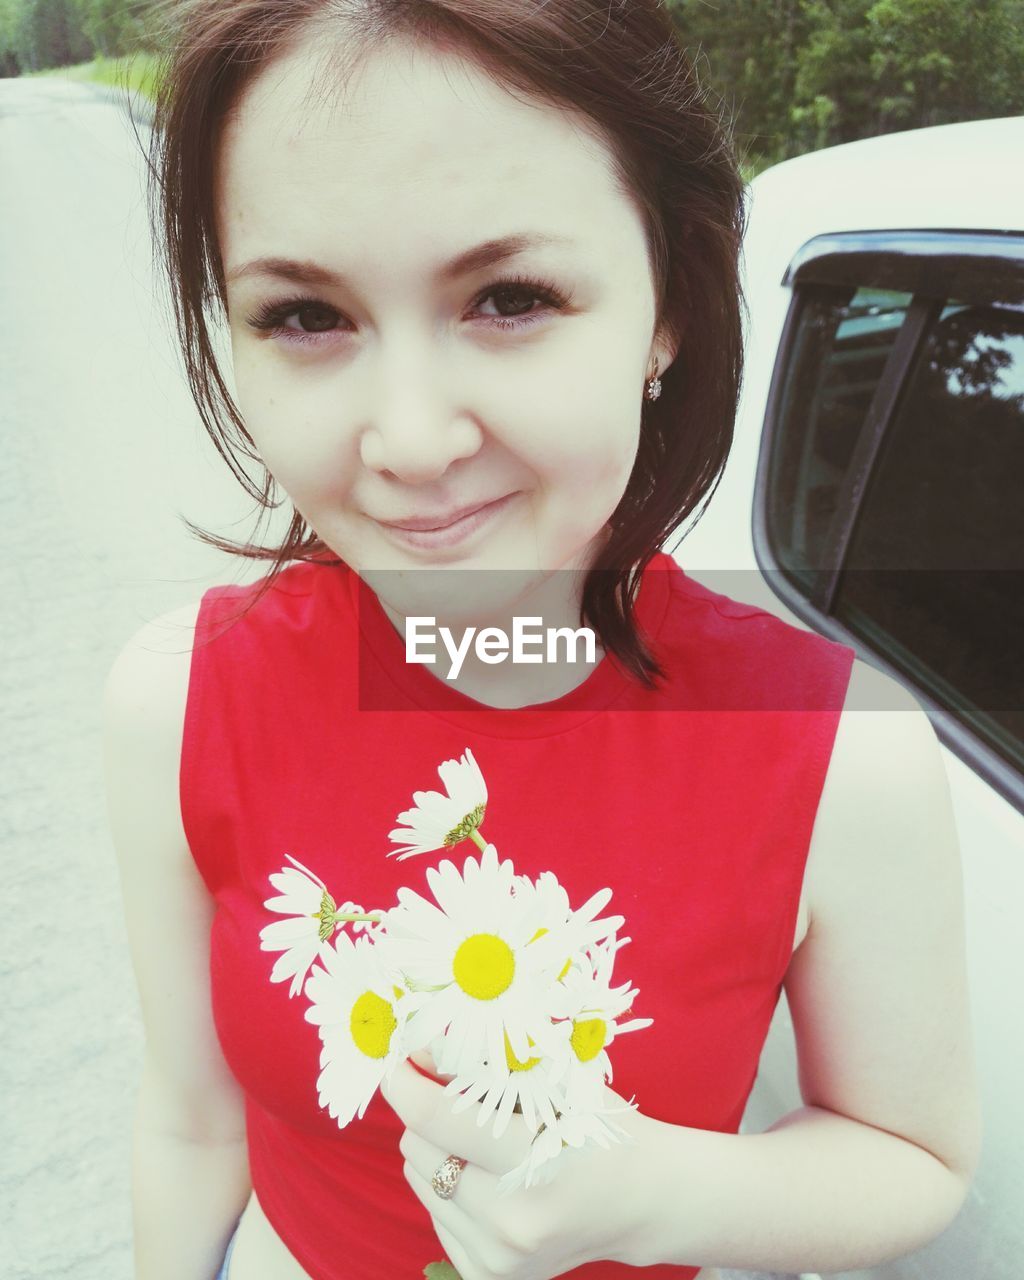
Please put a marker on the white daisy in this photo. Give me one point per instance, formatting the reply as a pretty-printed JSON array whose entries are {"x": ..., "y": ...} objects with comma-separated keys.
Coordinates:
[
  {"x": 441, "y": 821},
  {"x": 594, "y": 1005},
  {"x": 473, "y": 977},
  {"x": 356, "y": 1005},
  {"x": 571, "y": 1129},
  {"x": 532, "y": 1083},
  {"x": 304, "y": 936},
  {"x": 579, "y": 928},
  {"x": 313, "y": 919}
]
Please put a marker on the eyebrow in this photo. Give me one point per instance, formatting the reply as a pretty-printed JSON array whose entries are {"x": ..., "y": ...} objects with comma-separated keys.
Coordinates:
[{"x": 482, "y": 255}]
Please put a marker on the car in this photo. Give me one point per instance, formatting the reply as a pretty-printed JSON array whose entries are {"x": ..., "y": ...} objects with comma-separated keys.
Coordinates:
[{"x": 875, "y": 494}]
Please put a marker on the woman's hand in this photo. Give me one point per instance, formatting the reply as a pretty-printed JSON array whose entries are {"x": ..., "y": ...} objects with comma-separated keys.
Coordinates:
[{"x": 593, "y": 1208}]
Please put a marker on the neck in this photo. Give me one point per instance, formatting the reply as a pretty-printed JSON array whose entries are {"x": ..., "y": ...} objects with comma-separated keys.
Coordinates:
[{"x": 548, "y": 602}]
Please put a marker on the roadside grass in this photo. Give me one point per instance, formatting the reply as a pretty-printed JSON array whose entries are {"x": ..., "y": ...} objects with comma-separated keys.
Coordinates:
[{"x": 136, "y": 72}]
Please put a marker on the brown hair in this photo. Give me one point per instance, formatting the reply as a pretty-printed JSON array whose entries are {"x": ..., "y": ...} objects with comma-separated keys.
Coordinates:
[{"x": 620, "y": 63}]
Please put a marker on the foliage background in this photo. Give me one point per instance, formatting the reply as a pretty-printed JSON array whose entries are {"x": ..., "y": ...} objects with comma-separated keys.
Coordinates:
[
  {"x": 798, "y": 75},
  {"x": 793, "y": 75}
]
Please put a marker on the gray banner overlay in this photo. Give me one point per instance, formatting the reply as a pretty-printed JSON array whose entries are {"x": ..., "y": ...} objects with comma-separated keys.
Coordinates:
[{"x": 505, "y": 639}]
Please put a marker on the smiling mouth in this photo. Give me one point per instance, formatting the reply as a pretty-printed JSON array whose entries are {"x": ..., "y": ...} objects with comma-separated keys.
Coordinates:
[
  {"x": 427, "y": 524},
  {"x": 463, "y": 527}
]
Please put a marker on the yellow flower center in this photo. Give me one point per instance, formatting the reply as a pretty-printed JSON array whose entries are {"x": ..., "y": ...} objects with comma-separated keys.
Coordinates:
[
  {"x": 513, "y": 1062},
  {"x": 484, "y": 966},
  {"x": 568, "y": 964},
  {"x": 587, "y": 1038},
  {"x": 372, "y": 1022}
]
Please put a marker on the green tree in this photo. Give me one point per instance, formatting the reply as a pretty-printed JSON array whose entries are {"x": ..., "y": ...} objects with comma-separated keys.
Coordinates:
[
  {"x": 747, "y": 52},
  {"x": 796, "y": 75},
  {"x": 938, "y": 61},
  {"x": 54, "y": 33},
  {"x": 877, "y": 66},
  {"x": 48, "y": 33},
  {"x": 117, "y": 27},
  {"x": 834, "y": 98},
  {"x": 9, "y": 15}
]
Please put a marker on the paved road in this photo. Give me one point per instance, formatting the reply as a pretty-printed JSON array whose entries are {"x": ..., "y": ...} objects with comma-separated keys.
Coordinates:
[{"x": 101, "y": 449}]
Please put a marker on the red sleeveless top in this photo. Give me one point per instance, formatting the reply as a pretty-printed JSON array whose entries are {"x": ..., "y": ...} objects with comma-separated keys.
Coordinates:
[{"x": 306, "y": 733}]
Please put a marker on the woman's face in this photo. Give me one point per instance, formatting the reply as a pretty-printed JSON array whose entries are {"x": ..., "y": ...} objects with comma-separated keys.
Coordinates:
[{"x": 396, "y": 355}]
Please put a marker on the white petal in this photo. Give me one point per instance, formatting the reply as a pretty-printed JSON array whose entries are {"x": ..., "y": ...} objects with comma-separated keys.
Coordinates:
[
  {"x": 287, "y": 933},
  {"x": 305, "y": 870},
  {"x": 504, "y": 1115},
  {"x": 529, "y": 1112}
]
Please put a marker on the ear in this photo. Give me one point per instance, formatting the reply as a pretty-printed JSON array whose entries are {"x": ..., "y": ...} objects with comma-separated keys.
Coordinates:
[{"x": 664, "y": 350}]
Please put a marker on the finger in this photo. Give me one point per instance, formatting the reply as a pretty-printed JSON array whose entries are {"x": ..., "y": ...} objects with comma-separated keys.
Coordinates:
[
  {"x": 451, "y": 1212},
  {"x": 458, "y": 1256},
  {"x": 475, "y": 1187},
  {"x": 424, "y": 1060},
  {"x": 424, "y": 1107},
  {"x": 424, "y": 1156}
]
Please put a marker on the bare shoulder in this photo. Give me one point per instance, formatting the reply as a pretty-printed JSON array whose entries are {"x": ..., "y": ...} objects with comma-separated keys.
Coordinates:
[
  {"x": 188, "y": 1089},
  {"x": 152, "y": 667},
  {"x": 878, "y": 987},
  {"x": 145, "y": 694},
  {"x": 886, "y": 769},
  {"x": 143, "y": 714},
  {"x": 886, "y": 763},
  {"x": 873, "y": 690}
]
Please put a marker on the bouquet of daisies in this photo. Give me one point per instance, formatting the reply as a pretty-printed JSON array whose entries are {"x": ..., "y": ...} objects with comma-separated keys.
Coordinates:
[{"x": 496, "y": 974}]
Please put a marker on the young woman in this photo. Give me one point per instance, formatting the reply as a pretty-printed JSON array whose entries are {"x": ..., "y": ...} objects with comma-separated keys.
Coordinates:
[{"x": 482, "y": 257}]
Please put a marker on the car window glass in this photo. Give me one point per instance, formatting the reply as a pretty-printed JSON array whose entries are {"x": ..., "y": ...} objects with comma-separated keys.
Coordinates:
[
  {"x": 889, "y": 506},
  {"x": 841, "y": 344},
  {"x": 934, "y": 568}
]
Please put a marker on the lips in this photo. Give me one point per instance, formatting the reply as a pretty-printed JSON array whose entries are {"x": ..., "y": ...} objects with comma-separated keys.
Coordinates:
[
  {"x": 463, "y": 530},
  {"x": 442, "y": 520}
]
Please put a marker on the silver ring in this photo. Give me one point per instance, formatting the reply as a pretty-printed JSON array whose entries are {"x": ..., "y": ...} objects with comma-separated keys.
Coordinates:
[{"x": 446, "y": 1179}]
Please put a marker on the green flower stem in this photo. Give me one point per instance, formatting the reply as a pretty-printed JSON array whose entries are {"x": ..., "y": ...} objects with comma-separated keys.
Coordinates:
[
  {"x": 476, "y": 836},
  {"x": 350, "y": 916}
]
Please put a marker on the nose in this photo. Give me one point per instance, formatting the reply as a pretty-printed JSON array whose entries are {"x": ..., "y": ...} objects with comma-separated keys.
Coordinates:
[{"x": 416, "y": 428}]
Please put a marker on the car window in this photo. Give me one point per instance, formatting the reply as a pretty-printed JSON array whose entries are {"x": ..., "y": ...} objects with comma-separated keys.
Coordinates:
[
  {"x": 891, "y": 478},
  {"x": 839, "y": 352}
]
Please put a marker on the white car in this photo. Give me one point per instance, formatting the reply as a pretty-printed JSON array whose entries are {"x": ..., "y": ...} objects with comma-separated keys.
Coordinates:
[{"x": 875, "y": 493}]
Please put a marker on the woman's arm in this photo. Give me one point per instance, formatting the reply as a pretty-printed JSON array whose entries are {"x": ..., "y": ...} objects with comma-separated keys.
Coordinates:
[
  {"x": 190, "y": 1174},
  {"x": 878, "y": 1161}
]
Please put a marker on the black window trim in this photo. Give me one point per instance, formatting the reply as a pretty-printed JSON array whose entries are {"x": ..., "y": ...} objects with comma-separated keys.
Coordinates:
[
  {"x": 933, "y": 266},
  {"x": 920, "y": 316}
]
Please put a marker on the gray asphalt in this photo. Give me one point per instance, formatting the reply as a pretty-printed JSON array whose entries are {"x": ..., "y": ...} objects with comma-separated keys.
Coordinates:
[{"x": 102, "y": 448}]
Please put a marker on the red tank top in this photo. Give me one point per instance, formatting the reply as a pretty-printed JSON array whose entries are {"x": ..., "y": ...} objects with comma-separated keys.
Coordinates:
[{"x": 694, "y": 803}]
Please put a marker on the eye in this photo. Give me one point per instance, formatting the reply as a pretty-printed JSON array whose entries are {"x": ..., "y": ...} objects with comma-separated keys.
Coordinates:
[
  {"x": 522, "y": 290},
  {"x": 317, "y": 315},
  {"x": 517, "y": 293}
]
